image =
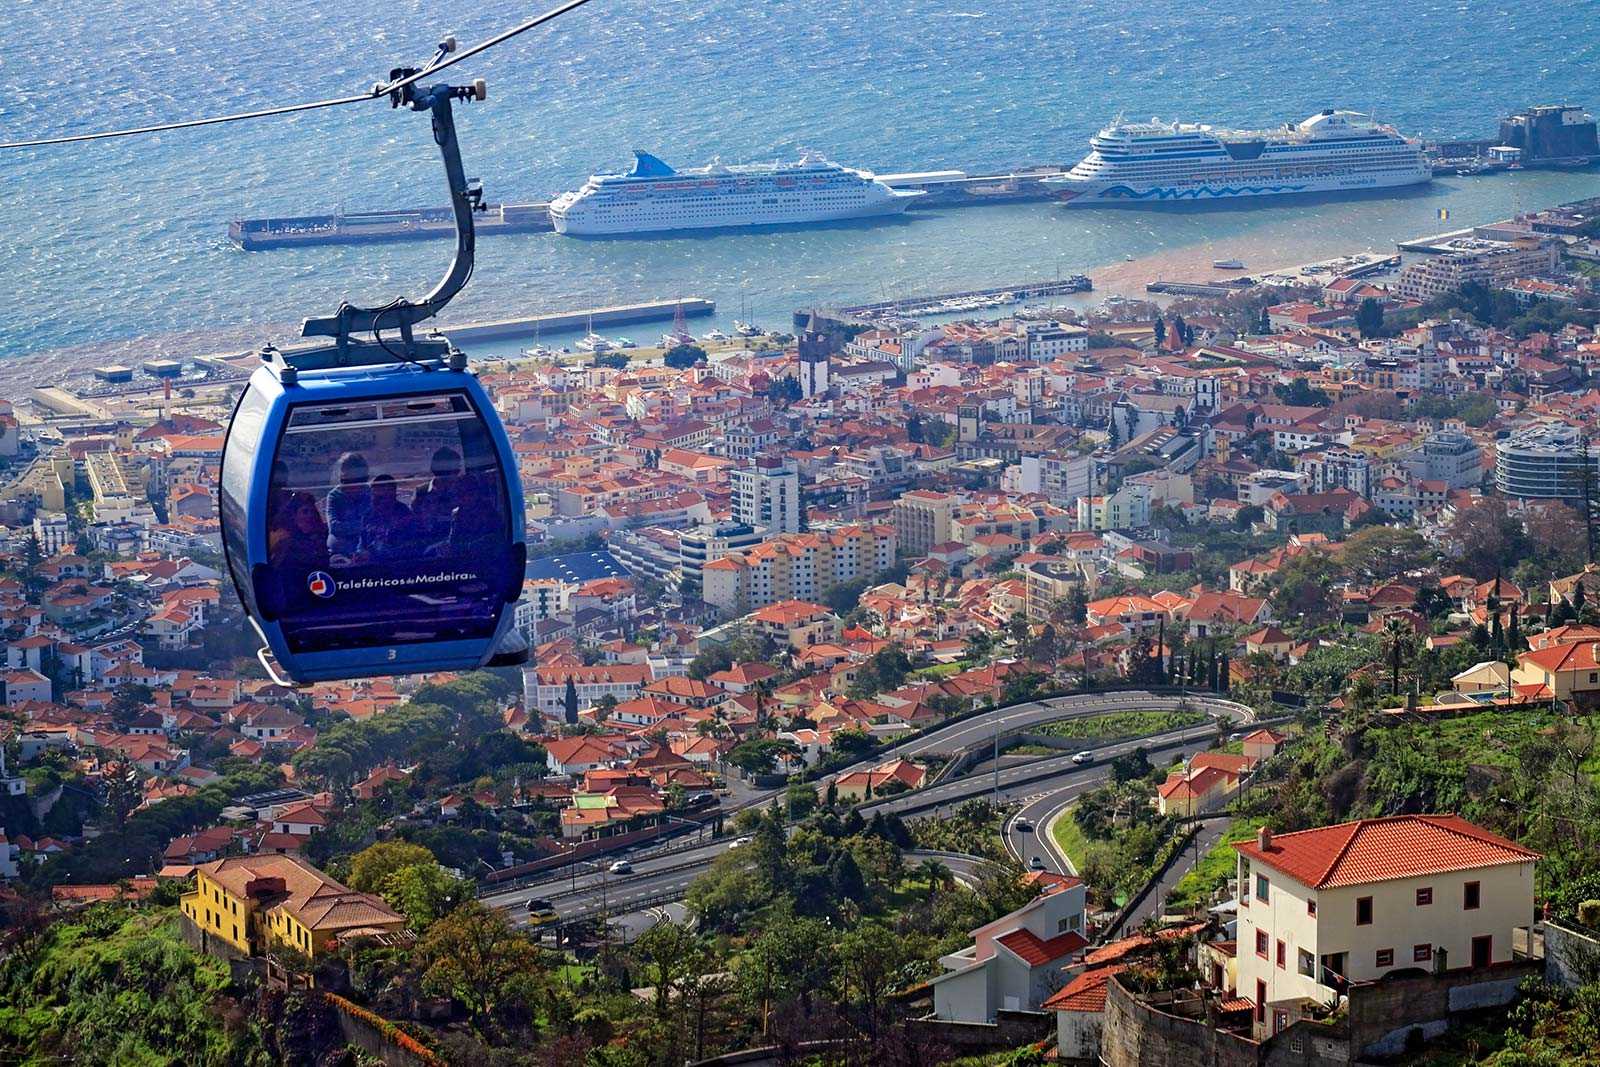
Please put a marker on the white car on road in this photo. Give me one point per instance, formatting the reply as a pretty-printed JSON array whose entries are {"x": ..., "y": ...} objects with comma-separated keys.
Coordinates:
[{"x": 1083, "y": 757}]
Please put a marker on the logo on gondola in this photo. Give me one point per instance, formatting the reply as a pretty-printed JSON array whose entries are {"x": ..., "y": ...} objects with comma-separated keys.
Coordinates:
[{"x": 321, "y": 584}]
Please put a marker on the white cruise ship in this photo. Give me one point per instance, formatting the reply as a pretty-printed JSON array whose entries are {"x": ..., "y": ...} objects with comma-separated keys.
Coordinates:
[
  {"x": 653, "y": 197},
  {"x": 1159, "y": 162}
]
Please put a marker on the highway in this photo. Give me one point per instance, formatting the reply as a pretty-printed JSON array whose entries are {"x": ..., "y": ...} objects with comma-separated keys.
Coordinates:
[
  {"x": 663, "y": 875},
  {"x": 1036, "y": 813}
]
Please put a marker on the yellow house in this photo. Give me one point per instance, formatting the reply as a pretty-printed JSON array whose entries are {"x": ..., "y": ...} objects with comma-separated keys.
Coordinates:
[
  {"x": 253, "y": 904},
  {"x": 1560, "y": 671}
]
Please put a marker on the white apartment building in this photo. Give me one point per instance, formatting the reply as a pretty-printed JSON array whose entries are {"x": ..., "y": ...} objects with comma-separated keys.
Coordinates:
[
  {"x": 1336, "y": 467},
  {"x": 1319, "y": 909},
  {"x": 924, "y": 518},
  {"x": 767, "y": 494},
  {"x": 1496, "y": 263},
  {"x": 1052, "y": 340}
]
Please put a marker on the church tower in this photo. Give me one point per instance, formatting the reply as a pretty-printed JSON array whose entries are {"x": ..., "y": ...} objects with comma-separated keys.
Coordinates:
[{"x": 814, "y": 344}]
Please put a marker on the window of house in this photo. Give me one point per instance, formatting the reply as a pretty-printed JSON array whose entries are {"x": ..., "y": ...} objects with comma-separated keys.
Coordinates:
[
  {"x": 1261, "y": 1001},
  {"x": 1261, "y": 887},
  {"x": 1424, "y": 896},
  {"x": 1282, "y": 954},
  {"x": 1421, "y": 953},
  {"x": 1311, "y": 907},
  {"x": 1307, "y": 964},
  {"x": 1386, "y": 957},
  {"x": 1364, "y": 911},
  {"x": 1261, "y": 943},
  {"x": 1469, "y": 896}
]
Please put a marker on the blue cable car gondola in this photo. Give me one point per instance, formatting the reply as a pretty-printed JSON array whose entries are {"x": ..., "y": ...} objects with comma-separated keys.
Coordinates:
[{"x": 372, "y": 516}]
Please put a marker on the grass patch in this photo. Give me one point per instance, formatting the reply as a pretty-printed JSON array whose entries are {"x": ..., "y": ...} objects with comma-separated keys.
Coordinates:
[
  {"x": 940, "y": 670},
  {"x": 1122, "y": 724},
  {"x": 573, "y": 973},
  {"x": 1215, "y": 867},
  {"x": 1069, "y": 837}
]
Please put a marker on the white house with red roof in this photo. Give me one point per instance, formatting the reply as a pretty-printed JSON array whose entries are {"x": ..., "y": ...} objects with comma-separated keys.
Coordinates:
[
  {"x": 1321, "y": 908},
  {"x": 1015, "y": 962}
]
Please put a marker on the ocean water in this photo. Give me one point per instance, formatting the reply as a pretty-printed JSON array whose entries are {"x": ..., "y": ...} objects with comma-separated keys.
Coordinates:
[{"x": 121, "y": 245}]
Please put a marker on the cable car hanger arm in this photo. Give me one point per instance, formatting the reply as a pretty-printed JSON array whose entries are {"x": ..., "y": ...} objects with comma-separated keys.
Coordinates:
[{"x": 465, "y": 198}]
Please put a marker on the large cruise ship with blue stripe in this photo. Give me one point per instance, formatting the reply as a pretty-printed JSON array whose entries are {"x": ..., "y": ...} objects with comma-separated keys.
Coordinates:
[
  {"x": 1176, "y": 162},
  {"x": 653, "y": 197}
]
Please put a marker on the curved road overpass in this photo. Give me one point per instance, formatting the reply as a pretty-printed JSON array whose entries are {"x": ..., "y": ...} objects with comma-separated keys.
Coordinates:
[{"x": 663, "y": 875}]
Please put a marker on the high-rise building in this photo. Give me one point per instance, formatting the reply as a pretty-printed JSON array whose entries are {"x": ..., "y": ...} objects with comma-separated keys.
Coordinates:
[
  {"x": 1543, "y": 462},
  {"x": 924, "y": 518},
  {"x": 767, "y": 494}
]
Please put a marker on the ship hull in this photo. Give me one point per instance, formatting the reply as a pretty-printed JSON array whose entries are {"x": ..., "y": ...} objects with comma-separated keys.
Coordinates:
[
  {"x": 778, "y": 216},
  {"x": 1220, "y": 190}
]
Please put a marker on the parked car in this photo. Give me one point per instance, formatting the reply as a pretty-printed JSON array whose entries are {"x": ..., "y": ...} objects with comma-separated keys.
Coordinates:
[{"x": 1083, "y": 757}]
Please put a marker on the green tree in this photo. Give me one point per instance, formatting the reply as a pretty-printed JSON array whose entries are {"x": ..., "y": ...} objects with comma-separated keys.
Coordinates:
[
  {"x": 472, "y": 954},
  {"x": 569, "y": 701},
  {"x": 371, "y": 867},
  {"x": 869, "y": 955},
  {"x": 668, "y": 954},
  {"x": 684, "y": 356},
  {"x": 425, "y": 892},
  {"x": 1369, "y": 318}
]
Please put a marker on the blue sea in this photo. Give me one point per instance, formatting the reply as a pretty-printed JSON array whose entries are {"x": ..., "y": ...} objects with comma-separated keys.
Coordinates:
[{"x": 121, "y": 245}]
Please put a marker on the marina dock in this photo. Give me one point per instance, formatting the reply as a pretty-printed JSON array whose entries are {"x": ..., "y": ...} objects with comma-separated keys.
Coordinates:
[
  {"x": 930, "y": 305},
  {"x": 363, "y": 227},
  {"x": 568, "y": 321},
  {"x": 556, "y": 322},
  {"x": 944, "y": 188}
]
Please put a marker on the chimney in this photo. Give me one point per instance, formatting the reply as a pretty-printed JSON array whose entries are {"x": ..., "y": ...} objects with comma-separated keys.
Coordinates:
[{"x": 1264, "y": 839}]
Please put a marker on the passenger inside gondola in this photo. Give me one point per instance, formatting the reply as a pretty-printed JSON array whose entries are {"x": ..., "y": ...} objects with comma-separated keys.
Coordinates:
[
  {"x": 433, "y": 505},
  {"x": 349, "y": 504},
  {"x": 387, "y": 526},
  {"x": 297, "y": 540}
]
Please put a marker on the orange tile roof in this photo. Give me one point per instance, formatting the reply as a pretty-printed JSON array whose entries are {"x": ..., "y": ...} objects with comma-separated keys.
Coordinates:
[
  {"x": 1035, "y": 952},
  {"x": 1086, "y": 992},
  {"x": 1377, "y": 850}
]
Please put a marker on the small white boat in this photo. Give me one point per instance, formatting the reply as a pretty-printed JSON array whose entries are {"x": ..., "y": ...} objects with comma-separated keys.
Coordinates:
[
  {"x": 594, "y": 343},
  {"x": 745, "y": 329},
  {"x": 716, "y": 335},
  {"x": 626, "y": 342},
  {"x": 673, "y": 340},
  {"x": 1227, "y": 264}
]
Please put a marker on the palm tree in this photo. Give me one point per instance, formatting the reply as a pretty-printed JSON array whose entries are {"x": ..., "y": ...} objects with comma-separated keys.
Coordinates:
[
  {"x": 935, "y": 873},
  {"x": 761, "y": 691},
  {"x": 1397, "y": 637}
]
